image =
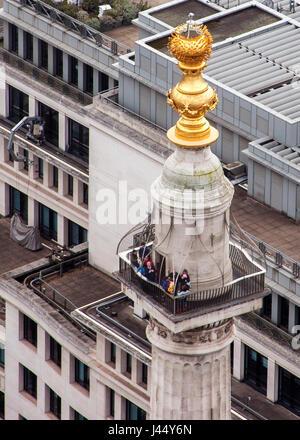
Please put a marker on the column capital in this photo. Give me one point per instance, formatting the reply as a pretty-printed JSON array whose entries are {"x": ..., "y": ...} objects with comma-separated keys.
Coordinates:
[{"x": 201, "y": 340}]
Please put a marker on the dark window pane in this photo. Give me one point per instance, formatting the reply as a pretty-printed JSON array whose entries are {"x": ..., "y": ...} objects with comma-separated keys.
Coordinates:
[
  {"x": 41, "y": 168},
  {"x": 55, "y": 352},
  {"x": 77, "y": 234},
  {"x": 28, "y": 46},
  {"x": 47, "y": 222},
  {"x": 58, "y": 62},
  {"x": 18, "y": 203},
  {"x": 78, "y": 416},
  {"x": 2, "y": 405},
  {"x": 128, "y": 363},
  {"x": 18, "y": 104},
  {"x": 103, "y": 82},
  {"x": 283, "y": 312},
  {"x": 85, "y": 194},
  {"x": 30, "y": 382},
  {"x": 73, "y": 71},
  {"x": 78, "y": 140},
  {"x": 289, "y": 390},
  {"x": 144, "y": 374},
  {"x": 55, "y": 404},
  {"x": 88, "y": 79},
  {"x": 133, "y": 412},
  {"x": 256, "y": 367},
  {"x": 13, "y": 37},
  {"x": 50, "y": 118},
  {"x": 82, "y": 374},
  {"x": 55, "y": 177},
  {"x": 111, "y": 402},
  {"x": 2, "y": 356},
  {"x": 30, "y": 330},
  {"x": 112, "y": 353},
  {"x": 70, "y": 185},
  {"x": 43, "y": 54},
  {"x": 267, "y": 306}
]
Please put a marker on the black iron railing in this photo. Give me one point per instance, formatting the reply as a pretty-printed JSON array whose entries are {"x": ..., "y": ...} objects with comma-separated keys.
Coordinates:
[{"x": 248, "y": 281}]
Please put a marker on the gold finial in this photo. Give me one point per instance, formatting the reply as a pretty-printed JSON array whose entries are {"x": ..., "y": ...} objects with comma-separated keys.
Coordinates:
[{"x": 192, "y": 97}]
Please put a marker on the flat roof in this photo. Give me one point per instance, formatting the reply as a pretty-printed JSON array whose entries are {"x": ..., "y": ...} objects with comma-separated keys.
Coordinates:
[
  {"x": 13, "y": 255},
  {"x": 84, "y": 285},
  {"x": 177, "y": 14},
  {"x": 226, "y": 26},
  {"x": 266, "y": 224}
]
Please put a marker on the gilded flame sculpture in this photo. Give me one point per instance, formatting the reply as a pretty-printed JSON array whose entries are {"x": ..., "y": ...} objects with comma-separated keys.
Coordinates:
[{"x": 192, "y": 97}]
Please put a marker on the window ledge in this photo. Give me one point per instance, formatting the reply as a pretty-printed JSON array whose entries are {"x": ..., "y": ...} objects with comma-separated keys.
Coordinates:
[
  {"x": 54, "y": 366},
  {"x": 29, "y": 345},
  {"x": 29, "y": 397},
  {"x": 81, "y": 389}
]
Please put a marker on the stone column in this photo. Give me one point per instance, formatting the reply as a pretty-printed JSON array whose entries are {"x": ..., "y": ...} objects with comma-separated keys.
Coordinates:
[
  {"x": 274, "y": 313},
  {"x": 238, "y": 359},
  {"x": 190, "y": 373},
  {"x": 272, "y": 381}
]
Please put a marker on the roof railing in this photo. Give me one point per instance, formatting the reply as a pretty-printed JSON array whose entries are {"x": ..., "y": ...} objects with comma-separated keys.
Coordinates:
[{"x": 85, "y": 31}]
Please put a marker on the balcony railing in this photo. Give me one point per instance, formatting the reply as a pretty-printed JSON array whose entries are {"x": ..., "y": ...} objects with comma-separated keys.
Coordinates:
[
  {"x": 86, "y": 32},
  {"x": 46, "y": 78},
  {"x": 248, "y": 281}
]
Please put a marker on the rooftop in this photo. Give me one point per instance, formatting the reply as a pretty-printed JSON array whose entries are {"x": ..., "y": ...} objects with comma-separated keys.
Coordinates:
[
  {"x": 12, "y": 255},
  {"x": 266, "y": 224},
  {"x": 227, "y": 26},
  {"x": 176, "y": 14}
]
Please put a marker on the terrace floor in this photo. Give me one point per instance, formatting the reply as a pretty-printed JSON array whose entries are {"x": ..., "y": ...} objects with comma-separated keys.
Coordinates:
[
  {"x": 13, "y": 255},
  {"x": 266, "y": 224}
]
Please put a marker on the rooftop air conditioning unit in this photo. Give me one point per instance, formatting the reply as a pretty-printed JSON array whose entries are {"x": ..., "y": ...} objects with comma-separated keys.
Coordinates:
[{"x": 234, "y": 170}]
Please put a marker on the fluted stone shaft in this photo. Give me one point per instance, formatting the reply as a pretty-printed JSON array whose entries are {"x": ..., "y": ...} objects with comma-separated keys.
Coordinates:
[{"x": 190, "y": 377}]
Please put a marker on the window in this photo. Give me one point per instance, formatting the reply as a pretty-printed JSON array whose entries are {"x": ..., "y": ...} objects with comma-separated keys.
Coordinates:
[
  {"x": 103, "y": 82},
  {"x": 28, "y": 46},
  {"x": 18, "y": 104},
  {"x": 85, "y": 193},
  {"x": 133, "y": 412},
  {"x": 29, "y": 382},
  {"x": 55, "y": 176},
  {"x": 13, "y": 37},
  {"x": 128, "y": 363},
  {"x": 82, "y": 374},
  {"x": 55, "y": 403},
  {"x": 256, "y": 367},
  {"x": 50, "y": 118},
  {"x": 78, "y": 416},
  {"x": 47, "y": 222},
  {"x": 297, "y": 315},
  {"x": 144, "y": 374},
  {"x": 283, "y": 320},
  {"x": 267, "y": 306},
  {"x": 30, "y": 330},
  {"x": 43, "y": 48},
  {"x": 26, "y": 155},
  {"x": 41, "y": 168},
  {"x": 73, "y": 71},
  {"x": 70, "y": 185},
  {"x": 289, "y": 390},
  {"x": 58, "y": 62},
  {"x": 78, "y": 140},
  {"x": 76, "y": 233},
  {"x": 111, "y": 403},
  {"x": 55, "y": 352},
  {"x": 2, "y": 356},
  {"x": 2, "y": 405},
  {"x": 88, "y": 79},
  {"x": 112, "y": 353},
  {"x": 18, "y": 203}
]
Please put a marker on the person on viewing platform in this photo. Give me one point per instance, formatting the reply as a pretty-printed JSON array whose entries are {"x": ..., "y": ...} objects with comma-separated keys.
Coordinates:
[
  {"x": 184, "y": 279},
  {"x": 165, "y": 283},
  {"x": 144, "y": 251},
  {"x": 134, "y": 258},
  {"x": 175, "y": 279},
  {"x": 184, "y": 290},
  {"x": 150, "y": 271}
]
